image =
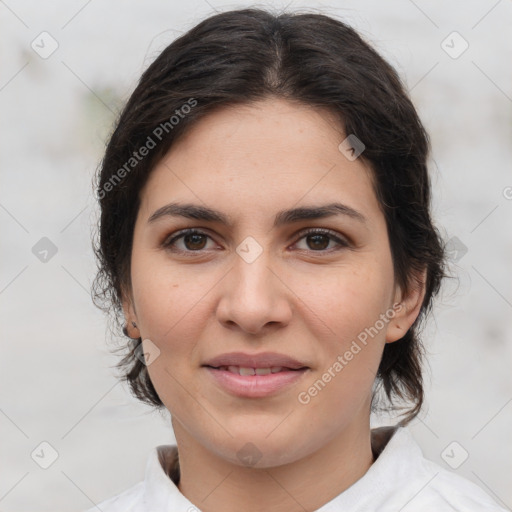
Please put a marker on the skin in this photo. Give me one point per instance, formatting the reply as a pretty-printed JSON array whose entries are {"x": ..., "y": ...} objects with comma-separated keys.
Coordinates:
[{"x": 305, "y": 297}]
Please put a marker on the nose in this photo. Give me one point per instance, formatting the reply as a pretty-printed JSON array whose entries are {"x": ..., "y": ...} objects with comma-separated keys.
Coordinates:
[{"x": 254, "y": 297}]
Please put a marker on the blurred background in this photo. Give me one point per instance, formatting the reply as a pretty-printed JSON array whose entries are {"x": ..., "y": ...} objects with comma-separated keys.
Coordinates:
[{"x": 72, "y": 435}]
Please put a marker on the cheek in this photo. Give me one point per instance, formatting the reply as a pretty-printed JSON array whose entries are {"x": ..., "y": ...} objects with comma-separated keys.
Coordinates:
[
  {"x": 347, "y": 299},
  {"x": 169, "y": 304},
  {"x": 344, "y": 313},
  {"x": 171, "y": 307}
]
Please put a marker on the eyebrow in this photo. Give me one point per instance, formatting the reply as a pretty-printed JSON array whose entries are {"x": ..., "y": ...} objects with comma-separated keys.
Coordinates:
[{"x": 196, "y": 212}]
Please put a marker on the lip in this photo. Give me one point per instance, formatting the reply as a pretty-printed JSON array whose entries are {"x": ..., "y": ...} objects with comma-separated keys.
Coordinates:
[
  {"x": 261, "y": 360},
  {"x": 255, "y": 386}
]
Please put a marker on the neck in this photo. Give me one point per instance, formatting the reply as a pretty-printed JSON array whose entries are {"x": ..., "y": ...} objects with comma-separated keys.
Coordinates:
[{"x": 214, "y": 483}]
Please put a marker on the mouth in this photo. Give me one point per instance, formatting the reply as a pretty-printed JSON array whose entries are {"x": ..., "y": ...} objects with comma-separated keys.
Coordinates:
[
  {"x": 259, "y": 382},
  {"x": 259, "y": 361},
  {"x": 249, "y": 371}
]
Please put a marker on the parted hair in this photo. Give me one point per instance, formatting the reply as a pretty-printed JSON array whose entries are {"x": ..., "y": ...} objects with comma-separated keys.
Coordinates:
[{"x": 243, "y": 56}]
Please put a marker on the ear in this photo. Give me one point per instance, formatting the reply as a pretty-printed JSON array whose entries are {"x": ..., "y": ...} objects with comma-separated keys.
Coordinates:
[
  {"x": 130, "y": 316},
  {"x": 407, "y": 307}
]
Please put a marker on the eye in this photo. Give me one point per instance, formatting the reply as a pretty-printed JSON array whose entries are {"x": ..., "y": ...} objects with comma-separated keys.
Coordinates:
[
  {"x": 192, "y": 241},
  {"x": 317, "y": 240}
]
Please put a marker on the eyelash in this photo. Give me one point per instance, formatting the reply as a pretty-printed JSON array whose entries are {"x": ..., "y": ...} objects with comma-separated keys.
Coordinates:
[{"x": 342, "y": 243}]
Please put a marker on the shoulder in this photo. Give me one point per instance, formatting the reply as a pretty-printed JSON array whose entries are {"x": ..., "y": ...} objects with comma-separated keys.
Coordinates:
[
  {"x": 427, "y": 486},
  {"x": 449, "y": 491},
  {"x": 129, "y": 500}
]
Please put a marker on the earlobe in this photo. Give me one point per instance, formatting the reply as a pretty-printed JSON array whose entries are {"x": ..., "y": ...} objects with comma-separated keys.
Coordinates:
[
  {"x": 409, "y": 307},
  {"x": 395, "y": 331},
  {"x": 131, "y": 329}
]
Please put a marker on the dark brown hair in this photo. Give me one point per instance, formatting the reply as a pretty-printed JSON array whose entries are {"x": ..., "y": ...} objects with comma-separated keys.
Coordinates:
[{"x": 243, "y": 56}]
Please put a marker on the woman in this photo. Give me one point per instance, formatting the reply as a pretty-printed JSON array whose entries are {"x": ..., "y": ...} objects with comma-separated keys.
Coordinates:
[{"x": 266, "y": 237}]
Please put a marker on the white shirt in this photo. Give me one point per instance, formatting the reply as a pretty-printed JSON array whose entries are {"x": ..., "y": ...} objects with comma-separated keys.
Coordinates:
[{"x": 400, "y": 480}]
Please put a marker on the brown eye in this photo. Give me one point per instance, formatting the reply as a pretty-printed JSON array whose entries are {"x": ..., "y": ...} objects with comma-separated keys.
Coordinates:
[
  {"x": 187, "y": 241},
  {"x": 318, "y": 240},
  {"x": 194, "y": 241}
]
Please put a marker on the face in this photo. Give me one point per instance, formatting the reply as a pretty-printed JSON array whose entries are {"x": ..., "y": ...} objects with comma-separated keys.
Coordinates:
[{"x": 252, "y": 279}]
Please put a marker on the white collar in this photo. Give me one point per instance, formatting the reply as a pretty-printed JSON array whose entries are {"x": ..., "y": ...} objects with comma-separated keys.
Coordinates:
[{"x": 162, "y": 493}]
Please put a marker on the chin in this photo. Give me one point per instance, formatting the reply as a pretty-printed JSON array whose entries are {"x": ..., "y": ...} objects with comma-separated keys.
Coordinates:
[{"x": 260, "y": 451}]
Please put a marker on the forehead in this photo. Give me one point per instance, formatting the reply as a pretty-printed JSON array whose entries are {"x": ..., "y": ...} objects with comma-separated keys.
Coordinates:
[{"x": 259, "y": 156}]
